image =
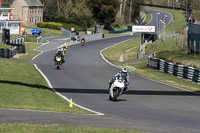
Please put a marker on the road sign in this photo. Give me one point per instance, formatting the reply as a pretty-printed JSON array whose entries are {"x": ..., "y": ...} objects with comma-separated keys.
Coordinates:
[{"x": 143, "y": 28}]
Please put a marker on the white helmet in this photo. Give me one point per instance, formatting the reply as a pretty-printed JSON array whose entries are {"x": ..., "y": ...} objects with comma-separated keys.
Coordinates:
[{"x": 124, "y": 71}]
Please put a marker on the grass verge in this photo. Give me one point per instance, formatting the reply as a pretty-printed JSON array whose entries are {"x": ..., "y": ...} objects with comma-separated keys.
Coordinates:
[
  {"x": 179, "y": 19},
  {"x": 30, "y": 53},
  {"x": 5, "y": 46},
  {"x": 46, "y": 31},
  {"x": 165, "y": 52},
  {"x": 165, "y": 49},
  {"x": 123, "y": 51},
  {"x": 23, "y": 87},
  {"x": 148, "y": 18},
  {"x": 34, "y": 128}
]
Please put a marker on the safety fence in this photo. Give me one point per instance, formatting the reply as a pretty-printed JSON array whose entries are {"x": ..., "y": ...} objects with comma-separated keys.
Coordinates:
[
  {"x": 8, "y": 53},
  {"x": 189, "y": 73}
]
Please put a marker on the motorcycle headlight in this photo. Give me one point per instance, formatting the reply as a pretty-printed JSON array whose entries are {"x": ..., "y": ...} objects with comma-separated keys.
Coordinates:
[{"x": 58, "y": 59}]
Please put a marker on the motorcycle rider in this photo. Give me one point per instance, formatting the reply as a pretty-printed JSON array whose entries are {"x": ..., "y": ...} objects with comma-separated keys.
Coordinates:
[
  {"x": 59, "y": 53},
  {"x": 124, "y": 75},
  {"x": 64, "y": 48},
  {"x": 83, "y": 41}
]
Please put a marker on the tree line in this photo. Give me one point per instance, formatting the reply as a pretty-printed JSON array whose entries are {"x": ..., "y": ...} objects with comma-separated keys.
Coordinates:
[{"x": 92, "y": 12}]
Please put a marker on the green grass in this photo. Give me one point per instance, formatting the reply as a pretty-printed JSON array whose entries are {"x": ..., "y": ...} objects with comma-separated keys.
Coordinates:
[
  {"x": 111, "y": 35},
  {"x": 26, "y": 38},
  {"x": 44, "y": 41},
  {"x": 23, "y": 87},
  {"x": 142, "y": 69},
  {"x": 165, "y": 49},
  {"x": 5, "y": 46},
  {"x": 165, "y": 52},
  {"x": 148, "y": 18},
  {"x": 47, "y": 31},
  {"x": 51, "y": 32},
  {"x": 122, "y": 27},
  {"x": 179, "y": 19},
  {"x": 35, "y": 128},
  {"x": 123, "y": 51},
  {"x": 30, "y": 53}
]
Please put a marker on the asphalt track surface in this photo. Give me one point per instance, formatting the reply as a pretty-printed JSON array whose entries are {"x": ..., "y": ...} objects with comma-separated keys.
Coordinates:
[{"x": 147, "y": 106}]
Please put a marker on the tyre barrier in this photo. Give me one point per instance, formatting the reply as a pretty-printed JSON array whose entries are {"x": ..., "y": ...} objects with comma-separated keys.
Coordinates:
[
  {"x": 20, "y": 48},
  {"x": 1, "y": 52},
  {"x": 190, "y": 73},
  {"x": 7, "y": 53}
]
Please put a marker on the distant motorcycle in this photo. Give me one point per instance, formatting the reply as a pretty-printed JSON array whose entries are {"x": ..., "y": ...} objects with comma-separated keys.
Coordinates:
[
  {"x": 58, "y": 62},
  {"x": 116, "y": 89},
  {"x": 83, "y": 42}
]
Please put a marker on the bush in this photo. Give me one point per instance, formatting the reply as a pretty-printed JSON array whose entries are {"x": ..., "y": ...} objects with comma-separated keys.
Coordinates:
[
  {"x": 51, "y": 25},
  {"x": 42, "y": 24},
  {"x": 76, "y": 27},
  {"x": 57, "y": 26}
]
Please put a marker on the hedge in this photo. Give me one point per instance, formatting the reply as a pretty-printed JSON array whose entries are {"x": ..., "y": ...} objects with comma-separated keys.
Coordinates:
[
  {"x": 76, "y": 27},
  {"x": 51, "y": 25},
  {"x": 57, "y": 26}
]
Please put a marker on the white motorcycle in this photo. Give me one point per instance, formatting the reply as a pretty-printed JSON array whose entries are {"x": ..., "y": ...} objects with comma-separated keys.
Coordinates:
[{"x": 116, "y": 89}]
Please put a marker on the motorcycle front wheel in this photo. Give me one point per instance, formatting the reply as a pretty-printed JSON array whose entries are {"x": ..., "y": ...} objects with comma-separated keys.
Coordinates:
[{"x": 115, "y": 94}]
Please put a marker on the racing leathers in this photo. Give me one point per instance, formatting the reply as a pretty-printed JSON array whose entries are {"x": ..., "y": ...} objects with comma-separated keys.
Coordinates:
[{"x": 124, "y": 77}]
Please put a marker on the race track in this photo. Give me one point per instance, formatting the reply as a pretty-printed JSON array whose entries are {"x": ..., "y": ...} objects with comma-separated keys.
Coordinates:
[{"x": 148, "y": 105}]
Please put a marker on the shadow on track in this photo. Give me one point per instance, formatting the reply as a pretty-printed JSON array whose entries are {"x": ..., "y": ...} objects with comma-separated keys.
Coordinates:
[{"x": 130, "y": 92}]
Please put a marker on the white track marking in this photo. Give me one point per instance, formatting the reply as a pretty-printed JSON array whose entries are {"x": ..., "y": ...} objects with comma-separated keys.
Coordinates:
[{"x": 65, "y": 98}]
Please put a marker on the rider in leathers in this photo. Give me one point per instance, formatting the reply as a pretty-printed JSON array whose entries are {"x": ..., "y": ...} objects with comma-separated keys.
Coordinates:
[
  {"x": 124, "y": 75},
  {"x": 59, "y": 53}
]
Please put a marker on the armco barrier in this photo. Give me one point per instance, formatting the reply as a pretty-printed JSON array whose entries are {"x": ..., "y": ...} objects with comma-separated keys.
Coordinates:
[{"x": 189, "y": 73}]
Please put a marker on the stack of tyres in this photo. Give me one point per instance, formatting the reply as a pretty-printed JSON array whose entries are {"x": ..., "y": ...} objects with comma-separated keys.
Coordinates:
[
  {"x": 5, "y": 53},
  {"x": 1, "y": 52}
]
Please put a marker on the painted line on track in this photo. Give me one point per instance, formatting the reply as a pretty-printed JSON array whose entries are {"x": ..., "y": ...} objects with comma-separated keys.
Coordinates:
[{"x": 65, "y": 98}]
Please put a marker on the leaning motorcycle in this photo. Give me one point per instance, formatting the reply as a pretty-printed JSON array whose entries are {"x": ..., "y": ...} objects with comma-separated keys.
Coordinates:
[
  {"x": 116, "y": 89},
  {"x": 58, "y": 62}
]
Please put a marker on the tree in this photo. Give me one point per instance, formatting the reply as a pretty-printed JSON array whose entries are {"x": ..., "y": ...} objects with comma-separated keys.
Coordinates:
[
  {"x": 104, "y": 11},
  {"x": 78, "y": 12}
]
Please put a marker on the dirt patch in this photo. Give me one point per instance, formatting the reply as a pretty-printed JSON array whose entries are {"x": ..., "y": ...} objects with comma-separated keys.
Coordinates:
[
  {"x": 18, "y": 55},
  {"x": 121, "y": 58}
]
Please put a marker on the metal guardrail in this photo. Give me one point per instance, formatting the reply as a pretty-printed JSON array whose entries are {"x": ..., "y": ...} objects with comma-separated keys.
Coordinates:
[{"x": 190, "y": 73}]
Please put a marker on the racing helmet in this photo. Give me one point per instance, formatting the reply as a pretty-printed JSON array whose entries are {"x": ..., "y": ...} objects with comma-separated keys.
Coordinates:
[
  {"x": 59, "y": 51},
  {"x": 65, "y": 45},
  {"x": 124, "y": 71}
]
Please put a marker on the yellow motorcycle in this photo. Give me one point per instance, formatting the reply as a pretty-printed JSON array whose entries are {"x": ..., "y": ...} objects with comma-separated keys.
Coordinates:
[
  {"x": 82, "y": 42},
  {"x": 58, "y": 62}
]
